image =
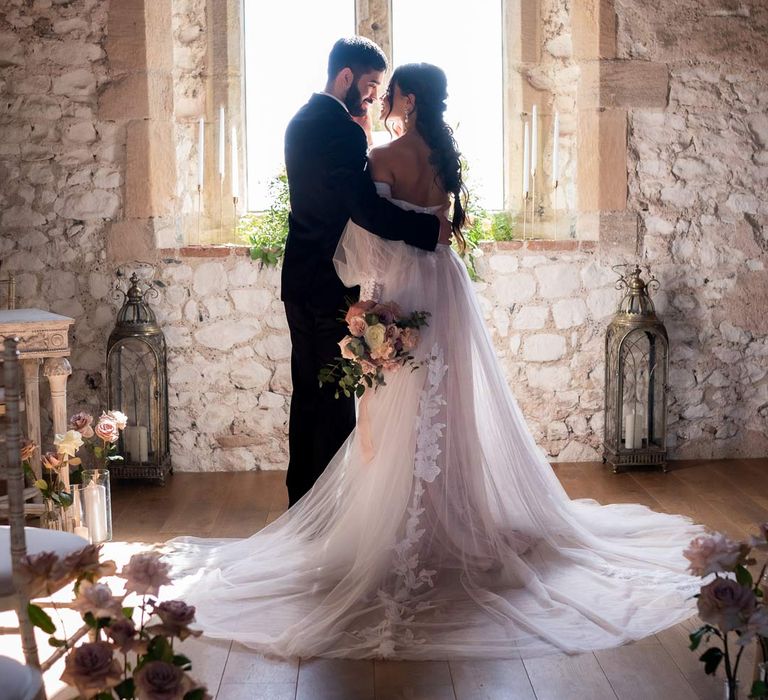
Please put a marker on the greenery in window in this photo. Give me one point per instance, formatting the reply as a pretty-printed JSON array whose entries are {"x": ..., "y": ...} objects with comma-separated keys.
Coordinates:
[{"x": 266, "y": 232}]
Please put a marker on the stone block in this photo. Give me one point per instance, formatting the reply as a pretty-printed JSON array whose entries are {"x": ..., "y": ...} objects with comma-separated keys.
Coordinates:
[
  {"x": 207, "y": 278},
  {"x": 150, "y": 173},
  {"x": 561, "y": 280},
  {"x": 623, "y": 84},
  {"x": 569, "y": 312},
  {"x": 603, "y": 303},
  {"x": 130, "y": 240},
  {"x": 602, "y": 160},
  {"x": 80, "y": 82},
  {"x": 516, "y": 288},
  {"x": 224, "y": 335},
  {"x": 593, "y": 24},
  {"x": 250, "y": 374},
  {"x": 251, "y": 301},
  {"x": 530, "y": 318},
  {"x": 619, "y": 235},
  {"x": 138, "y": 96},
  {"x": 544, "y": 347}
]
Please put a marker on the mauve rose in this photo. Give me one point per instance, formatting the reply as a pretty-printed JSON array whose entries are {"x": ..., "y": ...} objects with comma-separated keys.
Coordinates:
[
  {"x": 159, "y": 680},
  {"x": 92, "y": 668},
  {"x": 122, "y": 632},
  {"x": 726, "y": 604},
  {"x": 176, "y": 616},
  {"x": 757, "y": 625},
  {"x": 107, "y": 430},
  {"x": 713, "y": 553},
  {"x": 97, "y": 599},
  {"x": 42, "y": 574},
  {"x": 27, "y": 450},
  {"x": 82, "y": 422},
  {"x": 358, "y": 309},
  {"x": 86, "y": 561},
  {"x": 51, "y": 461},
  {"x": 144, "y": 573},
  {"x": 357, "y": 326}
]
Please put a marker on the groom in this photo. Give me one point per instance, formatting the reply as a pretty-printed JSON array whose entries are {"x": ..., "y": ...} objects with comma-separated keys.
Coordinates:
[{"x": 325, "y": 157}]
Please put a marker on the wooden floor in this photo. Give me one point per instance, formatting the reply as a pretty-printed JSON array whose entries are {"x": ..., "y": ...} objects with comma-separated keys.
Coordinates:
[{"x": 731, "y": 496}]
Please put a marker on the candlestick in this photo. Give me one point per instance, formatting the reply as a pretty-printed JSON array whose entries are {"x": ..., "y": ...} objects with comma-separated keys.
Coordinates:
[
  {"x": 221, "y": 143},
  {"x": 534, "y": 140},
  {"x": 200, "y": 153},
  {"x": 556, "y": 150},
  {"x": 235, "y": 170}
]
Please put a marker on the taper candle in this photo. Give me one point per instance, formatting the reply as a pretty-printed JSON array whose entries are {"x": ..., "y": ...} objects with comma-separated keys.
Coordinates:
[
  {"x": 534, "y": 138},
  {"x": 235, "y": 170},
  {"x": 221, "y": 142},
  {"x": 526, "y": 160},
  {"x": 556, "y": 150},
  {"x": 201, "y": 152}
]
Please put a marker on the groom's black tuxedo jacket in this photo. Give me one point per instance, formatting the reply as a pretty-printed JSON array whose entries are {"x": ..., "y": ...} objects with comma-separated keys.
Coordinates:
[{"x": 325, "y": 157}]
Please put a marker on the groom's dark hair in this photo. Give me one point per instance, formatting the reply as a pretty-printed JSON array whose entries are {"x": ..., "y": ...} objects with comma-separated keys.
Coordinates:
[{"x": 359, "y": 54}]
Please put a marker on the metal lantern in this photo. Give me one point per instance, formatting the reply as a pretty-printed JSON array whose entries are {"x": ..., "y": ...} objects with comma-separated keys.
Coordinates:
[
  {"x": 137, "y": 385},
  {"x": 636, "y": 367}
]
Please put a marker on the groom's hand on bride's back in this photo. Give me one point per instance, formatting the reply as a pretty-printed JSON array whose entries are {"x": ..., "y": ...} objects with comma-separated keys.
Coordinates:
[{"x": 446, "y": 232}]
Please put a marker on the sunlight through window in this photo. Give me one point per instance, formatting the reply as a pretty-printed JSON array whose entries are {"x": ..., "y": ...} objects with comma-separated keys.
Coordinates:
[
  {"x": 465, "y": 40},
  {"x": 286, "y": 59}
]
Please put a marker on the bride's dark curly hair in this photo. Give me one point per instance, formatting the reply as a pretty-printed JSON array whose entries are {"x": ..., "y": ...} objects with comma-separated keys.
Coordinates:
[{"x": 428, "y": 84}]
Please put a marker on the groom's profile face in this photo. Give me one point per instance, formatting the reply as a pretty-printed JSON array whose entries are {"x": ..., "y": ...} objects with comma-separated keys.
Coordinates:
[{"x": 363, "y": 92}]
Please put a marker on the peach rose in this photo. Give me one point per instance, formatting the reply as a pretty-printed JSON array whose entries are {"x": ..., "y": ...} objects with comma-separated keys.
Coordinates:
[
  {"x": 357, "y": 326},
  {"x": 51, "y": 461},
  {"x": 107, "y": 430},
  {"x": 359, "y": 308},
  {"x": 27, "y": 450},
  {"x": 409, "y": 338}
]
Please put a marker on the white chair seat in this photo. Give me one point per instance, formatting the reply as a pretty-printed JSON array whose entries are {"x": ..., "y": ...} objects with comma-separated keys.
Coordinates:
[
  {"x": 38, "y": 540},
  {"x": 19, "y": 682}
]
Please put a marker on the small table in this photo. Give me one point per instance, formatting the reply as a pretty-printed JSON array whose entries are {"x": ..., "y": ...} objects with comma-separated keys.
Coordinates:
[{"x": 43, "y": 337}]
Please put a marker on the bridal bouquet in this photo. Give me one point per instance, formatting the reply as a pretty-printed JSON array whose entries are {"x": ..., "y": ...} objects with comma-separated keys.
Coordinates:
[
  {"x": 732, "y": 603},
  {"x": 381, "y": 339}
]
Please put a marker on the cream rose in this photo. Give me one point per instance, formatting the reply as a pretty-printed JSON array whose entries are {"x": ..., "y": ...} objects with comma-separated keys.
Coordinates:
[
  {"x": 119, "y": 417},
  {"x": 374, "y": 335},
  {"x": 68, "y": 443}
]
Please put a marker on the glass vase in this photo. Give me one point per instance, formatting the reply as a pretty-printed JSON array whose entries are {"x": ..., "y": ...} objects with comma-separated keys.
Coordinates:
[
  {"x": 730, "y": 690},
  {"x": 55, "y": 517},
  {"x": 97, "y": 505}
]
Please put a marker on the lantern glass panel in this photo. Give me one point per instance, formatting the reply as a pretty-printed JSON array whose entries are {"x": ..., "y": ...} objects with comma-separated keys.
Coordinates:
[
  {"x": 133, "y": 371},
  {"x": 642, "y": 363}
]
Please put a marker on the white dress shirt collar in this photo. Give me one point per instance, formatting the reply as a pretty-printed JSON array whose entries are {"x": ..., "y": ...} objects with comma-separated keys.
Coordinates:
[{"x": 333, "y": 97}]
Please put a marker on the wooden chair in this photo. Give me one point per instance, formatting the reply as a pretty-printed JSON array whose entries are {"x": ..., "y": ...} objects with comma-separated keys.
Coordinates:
[{"x": 16, "y": 540}]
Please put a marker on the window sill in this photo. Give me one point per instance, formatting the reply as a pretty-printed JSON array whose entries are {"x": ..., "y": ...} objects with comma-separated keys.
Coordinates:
[{"x": 206, "y": 251}]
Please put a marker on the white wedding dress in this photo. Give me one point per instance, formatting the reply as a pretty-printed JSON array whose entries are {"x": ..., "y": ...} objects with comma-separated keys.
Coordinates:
[{"x": 452, "y": 537}]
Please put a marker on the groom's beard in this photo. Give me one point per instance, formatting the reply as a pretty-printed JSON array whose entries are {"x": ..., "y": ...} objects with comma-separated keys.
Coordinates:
[{"x": 354, "y": 101}]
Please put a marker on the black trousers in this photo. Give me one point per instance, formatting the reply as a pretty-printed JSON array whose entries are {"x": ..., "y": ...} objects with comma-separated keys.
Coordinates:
[{"x": 319, "y": 424}]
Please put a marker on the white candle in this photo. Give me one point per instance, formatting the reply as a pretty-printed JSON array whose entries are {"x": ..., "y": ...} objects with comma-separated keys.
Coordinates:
[
  {"x": 639, "y": 424},
  {"x": 200, "y": 152},
  {"x": 526, "y": 160},
  {"x": 221, "y": 142},
  {"x": 534, "y": 139},
  {"x": 96, "y": 512},
  {"x": 82, "y": 531},
  {"x": 556, "y": 150},
  {"x": 142, "y": 453},
  {"x": 235, "y": 171},
  {"x": 629, "y": 429},
  {"x": 129, "y": 441}
]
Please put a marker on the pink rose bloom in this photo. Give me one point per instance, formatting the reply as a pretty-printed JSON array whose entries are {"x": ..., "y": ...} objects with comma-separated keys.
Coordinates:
[
  {"x": 726, "y": 604},
  {"x": 385, "y": 351},
  {"x": 145, "y": 573},
  {"x": 713, "y": 553},
  {"x": 360, "y": 308},
  {"x": 357, "y": 326},
  {"x": 346, "y": 351},
  {"x": 107, "y": 430},
  {"x": 367, "y": 367},
  {"x": 82, "y": 422},
  {"x": 409, "y": 338},
  {"x": 392, "y": 365},
  {"x": 51, "y": 461}
]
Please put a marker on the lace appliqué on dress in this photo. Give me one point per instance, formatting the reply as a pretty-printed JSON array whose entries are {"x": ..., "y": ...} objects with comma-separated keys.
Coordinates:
[
  {"x": 370, "y": 289},
  {"x": 399, "y": 605}
]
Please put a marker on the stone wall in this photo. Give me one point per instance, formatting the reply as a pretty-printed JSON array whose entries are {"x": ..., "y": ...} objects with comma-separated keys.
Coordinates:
[{"x": 696, "y": 169}]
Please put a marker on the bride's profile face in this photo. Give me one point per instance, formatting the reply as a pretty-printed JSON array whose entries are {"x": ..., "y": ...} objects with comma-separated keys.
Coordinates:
[{"x": 395, "y": 105}]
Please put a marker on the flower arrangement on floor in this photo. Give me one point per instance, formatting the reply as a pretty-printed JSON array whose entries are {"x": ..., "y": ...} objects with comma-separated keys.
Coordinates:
[
  {"x": 100, "y": 440},
  {"x": 125, "y": 659},
  {"x": 381, "y": 339},
  {"x": 731, "y": 603}
]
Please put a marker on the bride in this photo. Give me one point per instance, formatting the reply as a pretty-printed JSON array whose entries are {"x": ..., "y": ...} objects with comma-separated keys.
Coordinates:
[{"x": 438, "y": 530}]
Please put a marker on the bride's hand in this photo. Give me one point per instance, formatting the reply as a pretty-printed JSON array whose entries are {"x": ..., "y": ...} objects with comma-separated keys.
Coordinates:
[
  {"x": 446, "y": 232},
  {"x": 364, "y": 122}
]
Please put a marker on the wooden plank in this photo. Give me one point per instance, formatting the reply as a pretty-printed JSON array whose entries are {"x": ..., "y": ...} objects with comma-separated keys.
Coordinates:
[
  {"x": 634, "y": 668},
  {"x": 497, "y": 679},
  {"x": 413, "y": 680},
  {"x": 335, "y": 679},
  {"x": 574, "y": 677}
]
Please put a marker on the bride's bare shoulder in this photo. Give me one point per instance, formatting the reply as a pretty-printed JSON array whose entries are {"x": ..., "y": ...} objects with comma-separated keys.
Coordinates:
[{"x": 380, "y": 162}]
